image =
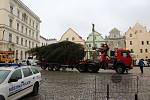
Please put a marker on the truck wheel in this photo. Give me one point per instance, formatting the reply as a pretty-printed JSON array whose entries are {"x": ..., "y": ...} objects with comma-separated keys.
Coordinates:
[
  {"x": 120, "y": 69},
  {"x": 81, "y": 68},
  {"x": 92, "y": 68}
]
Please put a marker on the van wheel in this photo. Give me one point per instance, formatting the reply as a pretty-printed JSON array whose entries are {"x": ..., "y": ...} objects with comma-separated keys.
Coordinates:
[
  {"x": 2, "y": 98},
  {"x": 35, "y": 89}
]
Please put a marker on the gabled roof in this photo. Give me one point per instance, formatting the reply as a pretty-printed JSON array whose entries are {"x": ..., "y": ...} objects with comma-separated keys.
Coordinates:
[{"x": 70, "y": 29}]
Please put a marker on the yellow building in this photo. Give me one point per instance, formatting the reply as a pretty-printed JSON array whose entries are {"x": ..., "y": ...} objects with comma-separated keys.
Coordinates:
[
  {"x": 19, "y": 28},
  {"x": 71, "y": 35},
  {"x": 138, "y": 41}
]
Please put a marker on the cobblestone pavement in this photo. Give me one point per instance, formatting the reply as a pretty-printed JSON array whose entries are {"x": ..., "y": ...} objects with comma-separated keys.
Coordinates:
[{"x": 72, "y": 85}]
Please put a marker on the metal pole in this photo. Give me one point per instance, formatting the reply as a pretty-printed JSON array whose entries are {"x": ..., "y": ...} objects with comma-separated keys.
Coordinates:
[
  {"x": 136, "y": 97},
  {"x": 137, "y": 84},
  {"x": 95, "y": 87},
  {"x": 107, "y": 91}
]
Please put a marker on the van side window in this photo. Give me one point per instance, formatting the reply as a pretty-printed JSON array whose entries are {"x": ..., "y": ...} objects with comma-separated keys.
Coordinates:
[
  {"x": 35, "y": 71},
  {"x": 16, "y": 75},
  {"x": 27, "y": 72}
]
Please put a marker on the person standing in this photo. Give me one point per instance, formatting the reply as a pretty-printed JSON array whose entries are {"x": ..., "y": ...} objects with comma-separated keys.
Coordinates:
[
  {"x": 141, "y": 64},
  {"x": 28, "y": 62}
]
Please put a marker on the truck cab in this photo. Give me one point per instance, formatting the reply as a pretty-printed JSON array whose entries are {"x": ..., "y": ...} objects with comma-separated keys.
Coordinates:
[{"x": 122, "y": 60}]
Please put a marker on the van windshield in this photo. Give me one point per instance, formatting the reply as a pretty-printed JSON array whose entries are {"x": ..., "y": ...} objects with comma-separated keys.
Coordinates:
[{"x": 3, "y": 75}]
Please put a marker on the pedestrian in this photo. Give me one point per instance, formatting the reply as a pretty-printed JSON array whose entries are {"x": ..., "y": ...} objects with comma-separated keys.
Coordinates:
[
  {"x": 141, "y": 64},
  {"x": 28, "y": 63}
]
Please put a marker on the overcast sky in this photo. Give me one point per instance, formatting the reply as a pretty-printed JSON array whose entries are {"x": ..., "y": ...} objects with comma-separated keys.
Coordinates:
[{"x": 59, "y": 15}]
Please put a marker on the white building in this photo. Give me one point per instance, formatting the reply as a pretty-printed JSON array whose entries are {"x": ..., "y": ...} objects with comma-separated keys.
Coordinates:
[
  {"x": 19, "y": 28},
  {"x": 44, "y": 41}
]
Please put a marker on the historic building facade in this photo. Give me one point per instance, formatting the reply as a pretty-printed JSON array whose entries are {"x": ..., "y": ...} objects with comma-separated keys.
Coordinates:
[
  {"x": 94, "y": 40},
  {"x": 138, "y": 41},
  {"x": 71, "y": 35},
  {"x": 19, "y": 28},
  {"x": 115, "y": 39}
]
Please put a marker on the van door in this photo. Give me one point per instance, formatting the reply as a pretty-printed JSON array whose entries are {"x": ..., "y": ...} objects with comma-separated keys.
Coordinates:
[
  {"x": 28, "y": 80},
  {"x": 15, "y": 85}
]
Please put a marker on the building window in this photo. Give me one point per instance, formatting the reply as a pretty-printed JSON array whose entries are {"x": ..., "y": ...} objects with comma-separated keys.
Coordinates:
[
  {"x": 142, "y": 42},
  {"x": 10, "y": 37},
  {"x": 32, "y": 44},
  {"x": 21, "y": 41},
  {"x": 67, "y": 39},
  {"x": 36, "y": 26},
  {"x": 33, "y": 24},
  {"x": 18, "y": 13},
  {"x": 89, "y": 45},
  {"x": 130, "y": 35},
  {"x": 17, "y": 26},
  {"x": 146, "y": 51},
  {"x": 132, "y": 51},
  {"x": 30, "y": 22},
  {"x": 16, "y": 54},
  {"x": 17, "y": 39},
  {"x": 26, "y": 31},
  {"x": 24, "y": 17},
  {"x": 73, "y": 38},
  {"x": 25, "y": 55},
  {"x": 29, "y": 44},
  {"x": 26, "y": 43},
  {"x": 11, "y": 9},
  {"x": 130, "y": 42},
  {"x": 141, "y": 50},
  {"x": 22, "y": 28},
  {"x": 37, "y": 35},
  {"x": 29, "y": 32},
  {"x": 147, "y": 42},
  {"x": 21, "y": 55},
  {"x": 32, "y": 34},
  {"x": 10, "y": 22}
]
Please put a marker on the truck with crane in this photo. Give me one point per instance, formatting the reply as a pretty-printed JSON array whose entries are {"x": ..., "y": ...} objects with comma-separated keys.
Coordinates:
[{"x": 119, "y": 60}]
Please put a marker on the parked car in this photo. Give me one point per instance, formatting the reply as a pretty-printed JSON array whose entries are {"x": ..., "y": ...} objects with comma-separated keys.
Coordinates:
[
  {"x": 17, "y": 81},
  {"x": 32, "y": 62}
]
